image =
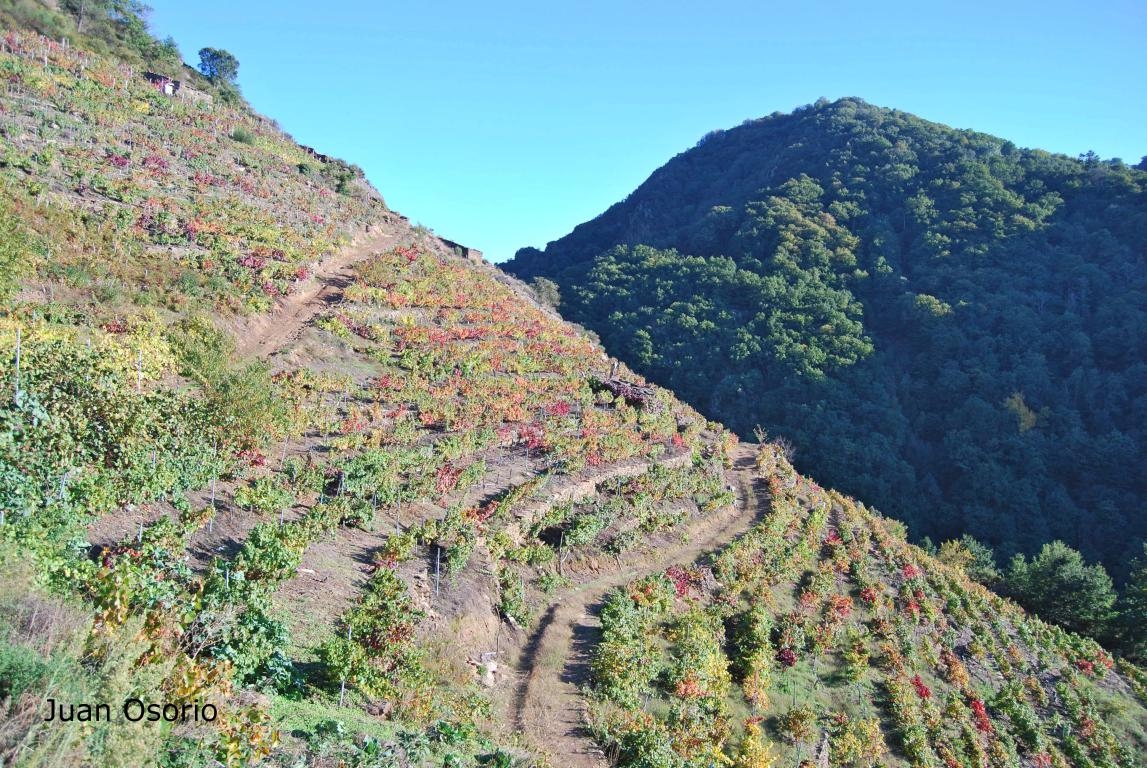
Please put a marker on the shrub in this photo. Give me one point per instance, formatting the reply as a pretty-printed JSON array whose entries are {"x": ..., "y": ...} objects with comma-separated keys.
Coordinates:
[
  {"x": 20, "y": 669},
  {"x": 243, "y": 136}
]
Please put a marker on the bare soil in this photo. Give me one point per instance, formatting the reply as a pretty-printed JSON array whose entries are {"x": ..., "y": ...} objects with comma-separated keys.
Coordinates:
[
  {"x": 548, "y": 706},
  {"x": 265, "y": 334}
]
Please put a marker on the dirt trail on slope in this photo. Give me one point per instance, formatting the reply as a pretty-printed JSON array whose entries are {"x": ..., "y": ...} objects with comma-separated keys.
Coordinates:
[
  {"x": 548, "y": 707},
  {"x": 265, "y": 334},
  {"x": 338, "y": 566},
  {"x": 262, "y": 336}
]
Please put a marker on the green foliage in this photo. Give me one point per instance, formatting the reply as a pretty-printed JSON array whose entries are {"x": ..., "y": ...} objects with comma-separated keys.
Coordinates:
[
  {"x": 243, "y": 136},
  {"x": 218, "y": 65},
  {"x": 1132, "y": 609},
  {"x": 376, "y": 651},
  {"x": 831, "y": 622},
  {"x": 129, "y": 192},
  {"x": 942, "y": 324},
  {"x": 244, "y": 396},
  {"x": 17, "y": 257},
  {"x": 264, "y": 495},
  {"x": 247, "y": 635},
  {"x": 972, "y": 556},
  {"x": 80, "y": 439},
  {"x": 512, "y": 601},
  {"x": 20, "y": 669},
  {"x": 547, "y": 291},
  {"x": 106, "y": 26},
  {"x": 1060, "y": 587}
]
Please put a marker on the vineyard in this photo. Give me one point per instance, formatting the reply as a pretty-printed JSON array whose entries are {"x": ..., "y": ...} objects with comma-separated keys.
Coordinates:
[
  {"x": 265, "y": 446},
  {"x": 181, "y": 496},
  {"x": 822, "y": 632},
  {"x": 140, "y": 198}
]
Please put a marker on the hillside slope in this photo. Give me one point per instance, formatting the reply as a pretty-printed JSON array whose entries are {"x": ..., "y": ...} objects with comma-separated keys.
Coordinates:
[
  {"x": 322, "y": 490},
  {"x": 941, "y": 323},
  {"x": 822, "y": 631},
  {"x": 333, "y": 545}
]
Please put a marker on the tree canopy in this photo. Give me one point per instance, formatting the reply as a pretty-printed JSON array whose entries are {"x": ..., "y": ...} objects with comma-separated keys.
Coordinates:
[
  {"x": 218, "y": 65},
  {"x": 1059, "y": 586}
]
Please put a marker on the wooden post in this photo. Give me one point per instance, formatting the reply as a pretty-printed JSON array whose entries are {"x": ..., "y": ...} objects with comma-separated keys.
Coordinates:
[
  {"x": 139, "y": 370},
  {"x": 19, "y": 339},
  {"x": 437, "y": 567},
  {"x": 342, "y": 684}
]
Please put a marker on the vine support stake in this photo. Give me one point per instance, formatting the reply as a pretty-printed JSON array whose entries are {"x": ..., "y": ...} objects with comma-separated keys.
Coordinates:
[
  {"x": 342, "y": 683},
  {"x": 139, "y": 370},
  {"x": 437, "y": 567},
  {"x": 19, "y": 340},
  {"x": 139, "y": 537}
]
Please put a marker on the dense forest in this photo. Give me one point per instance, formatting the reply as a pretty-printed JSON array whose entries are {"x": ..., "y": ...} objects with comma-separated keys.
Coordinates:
[{"x": 946, "y": 325}]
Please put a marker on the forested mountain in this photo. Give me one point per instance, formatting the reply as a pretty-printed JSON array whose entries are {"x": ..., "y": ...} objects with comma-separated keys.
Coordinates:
[{"x": 946, "y": 325}]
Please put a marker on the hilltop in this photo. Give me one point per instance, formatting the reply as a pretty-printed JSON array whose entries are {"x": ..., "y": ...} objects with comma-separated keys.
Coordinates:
[
  {"x": 272, "y": 452},
  {"x": 942, "y": 323}
]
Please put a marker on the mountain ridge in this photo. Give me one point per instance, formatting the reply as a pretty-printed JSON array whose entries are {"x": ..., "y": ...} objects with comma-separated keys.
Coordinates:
[{"x": 850, "y": 260}]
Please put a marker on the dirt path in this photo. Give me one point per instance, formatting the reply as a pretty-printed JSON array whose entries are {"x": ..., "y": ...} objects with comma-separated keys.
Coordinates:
[
  {"x": 265, "y": 334},
  {"x": 342, "y": 564},
  {"x": 260, "y": 336},
  {"x": 548, "y": 707}
]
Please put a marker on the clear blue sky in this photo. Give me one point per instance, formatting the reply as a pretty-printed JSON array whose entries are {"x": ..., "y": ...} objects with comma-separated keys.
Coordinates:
[{"x": 504, "y": 124}]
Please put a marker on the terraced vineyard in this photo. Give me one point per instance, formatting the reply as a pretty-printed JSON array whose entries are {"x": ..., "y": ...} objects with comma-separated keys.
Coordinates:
[
  {"x": 822, "y": 631},
  {"x": 270, "y": 449}
]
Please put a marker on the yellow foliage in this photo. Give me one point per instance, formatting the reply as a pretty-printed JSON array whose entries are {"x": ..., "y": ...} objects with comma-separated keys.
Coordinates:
[
  {"x": 1026, "y": 416},
  {"x": 860, "y": 743},
  {"x": 955, "y": 554},
  {"x": 755, "y": 751},
  {"x": 142, "y": 347}
]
